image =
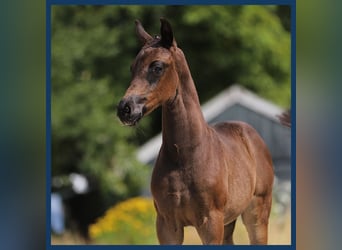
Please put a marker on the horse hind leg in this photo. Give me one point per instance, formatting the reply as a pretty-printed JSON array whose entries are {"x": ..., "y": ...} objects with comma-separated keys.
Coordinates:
[
  {"x": 255, "y": 218},
  {"x": 228, "y": 233}
]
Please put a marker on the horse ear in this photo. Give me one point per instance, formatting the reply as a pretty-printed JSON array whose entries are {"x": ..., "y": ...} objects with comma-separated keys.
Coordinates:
[
  {"x": 167, "y": 39},
  {"x": 141, "y": 33}
]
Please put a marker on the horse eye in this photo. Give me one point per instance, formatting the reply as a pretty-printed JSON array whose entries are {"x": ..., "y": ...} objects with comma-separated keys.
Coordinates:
[
  {"x": 157, "y": 68},
  {"x": 155, "y": 71}
]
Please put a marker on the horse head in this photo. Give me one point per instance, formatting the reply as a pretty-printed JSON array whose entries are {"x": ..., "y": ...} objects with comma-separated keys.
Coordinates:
[{"x": 154, "y": 75}]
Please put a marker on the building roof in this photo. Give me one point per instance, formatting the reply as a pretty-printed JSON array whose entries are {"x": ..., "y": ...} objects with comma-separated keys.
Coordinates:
[{"x": 215, "y": 106}]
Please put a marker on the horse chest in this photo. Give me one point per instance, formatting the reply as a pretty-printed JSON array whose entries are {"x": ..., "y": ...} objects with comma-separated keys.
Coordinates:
[
  {"x": 177, "y": 196},
  {"x": 169, "y": 185},
  {"x": 171, "y": 190}
]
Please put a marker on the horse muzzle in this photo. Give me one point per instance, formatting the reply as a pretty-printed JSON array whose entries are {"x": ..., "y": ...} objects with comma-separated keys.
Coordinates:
[{"x": 131, "y": 110}]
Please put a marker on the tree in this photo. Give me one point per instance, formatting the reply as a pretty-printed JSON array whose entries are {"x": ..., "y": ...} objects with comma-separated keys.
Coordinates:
[{"x": 86, "y": 136}]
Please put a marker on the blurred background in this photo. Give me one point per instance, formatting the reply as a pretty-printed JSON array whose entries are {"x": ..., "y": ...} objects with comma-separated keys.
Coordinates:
[{"x": 100, "y": 169}]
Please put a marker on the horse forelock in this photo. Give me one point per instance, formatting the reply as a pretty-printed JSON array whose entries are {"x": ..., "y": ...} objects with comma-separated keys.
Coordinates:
[{"x": 154, "y": 43}]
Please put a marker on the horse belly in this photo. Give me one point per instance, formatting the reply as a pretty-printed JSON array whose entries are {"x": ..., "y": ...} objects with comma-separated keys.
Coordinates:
[
  {"x": 236, "y": 208},
  {"x": 241, "y": 189}
]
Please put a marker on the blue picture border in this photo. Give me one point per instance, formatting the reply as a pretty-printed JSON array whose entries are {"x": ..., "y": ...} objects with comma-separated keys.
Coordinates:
[{"x": 50, "y": 3}]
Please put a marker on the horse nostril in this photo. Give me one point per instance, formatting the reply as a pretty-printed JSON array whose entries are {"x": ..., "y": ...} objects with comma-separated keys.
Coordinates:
[
  {"x": 126, "y": 109},
  {"x": 130, "y": 111}
]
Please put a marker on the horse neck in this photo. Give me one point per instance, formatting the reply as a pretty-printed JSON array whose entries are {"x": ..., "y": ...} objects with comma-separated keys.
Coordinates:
[{"x": 183, "y": 123}]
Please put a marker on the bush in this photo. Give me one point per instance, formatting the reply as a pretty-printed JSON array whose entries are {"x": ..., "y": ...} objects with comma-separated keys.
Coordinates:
[{"x": 129, "y": 222}]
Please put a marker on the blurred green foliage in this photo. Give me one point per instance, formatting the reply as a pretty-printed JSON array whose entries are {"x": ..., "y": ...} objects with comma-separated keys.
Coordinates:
[{"x": 92, "y": 49}]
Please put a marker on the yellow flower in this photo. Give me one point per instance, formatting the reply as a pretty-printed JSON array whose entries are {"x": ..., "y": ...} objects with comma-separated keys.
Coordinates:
[{"x": 129, "y": 222}]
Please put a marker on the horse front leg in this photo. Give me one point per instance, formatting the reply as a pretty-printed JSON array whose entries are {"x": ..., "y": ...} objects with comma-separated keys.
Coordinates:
[
  {"x": 211, "y": 231},
  {"x": 228, "y": 233},
  {"x": 169, "y": 233}
]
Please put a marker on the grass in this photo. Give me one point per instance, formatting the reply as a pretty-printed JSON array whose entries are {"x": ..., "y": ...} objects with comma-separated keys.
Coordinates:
[
  {"x": 68, "y": 238},
  {"x": 279, "y": 234}
]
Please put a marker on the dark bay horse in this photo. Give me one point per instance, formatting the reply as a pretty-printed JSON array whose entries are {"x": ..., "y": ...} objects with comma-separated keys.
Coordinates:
[{"x": 204, "y": 176}]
